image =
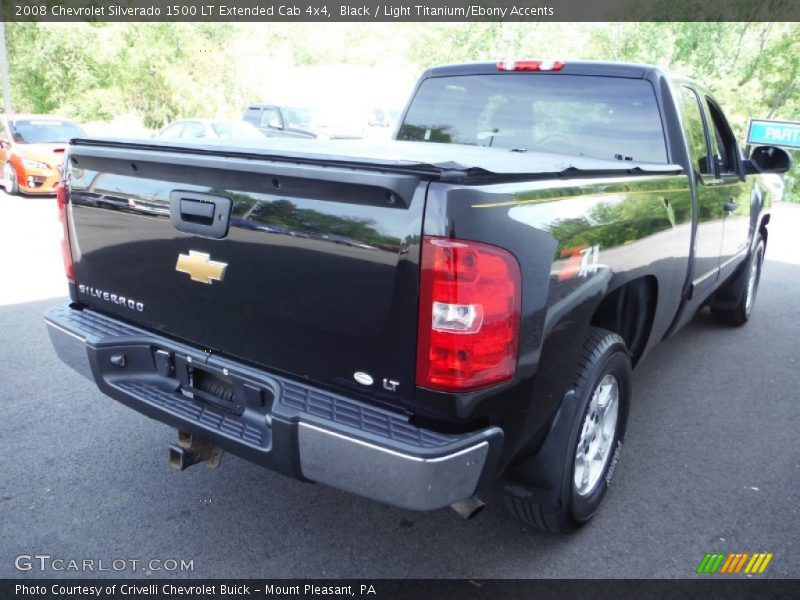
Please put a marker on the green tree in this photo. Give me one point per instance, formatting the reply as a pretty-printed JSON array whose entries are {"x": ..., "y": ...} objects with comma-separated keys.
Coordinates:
[{"x": 163, "y": 71}]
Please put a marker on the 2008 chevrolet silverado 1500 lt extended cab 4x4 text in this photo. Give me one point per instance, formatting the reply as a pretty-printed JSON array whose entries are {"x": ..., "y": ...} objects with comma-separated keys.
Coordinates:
[{"x": 415, "y": 320}]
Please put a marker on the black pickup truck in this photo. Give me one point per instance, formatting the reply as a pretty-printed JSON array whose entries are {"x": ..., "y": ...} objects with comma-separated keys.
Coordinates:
[{"x": 418, "y": 320}]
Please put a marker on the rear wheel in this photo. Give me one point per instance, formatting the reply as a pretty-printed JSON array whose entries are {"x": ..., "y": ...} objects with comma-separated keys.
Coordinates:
[
  {"x": 10, "y": 179},
  {"x": 589, "y": 453},
  {"x": 734, "y": 301}
]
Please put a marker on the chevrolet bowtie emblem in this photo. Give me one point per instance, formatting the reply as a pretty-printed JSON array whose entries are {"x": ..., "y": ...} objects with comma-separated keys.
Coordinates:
[{"x": 200, "y": 267}]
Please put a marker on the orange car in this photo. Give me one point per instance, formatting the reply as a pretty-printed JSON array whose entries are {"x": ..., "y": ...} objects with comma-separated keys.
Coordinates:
[{"x": 32, "y": 150}]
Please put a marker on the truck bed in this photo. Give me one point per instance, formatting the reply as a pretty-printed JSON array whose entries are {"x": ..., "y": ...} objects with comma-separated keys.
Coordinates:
[
  {"x": 320, "y": 245},
  {"x": 466, "y": 164}
]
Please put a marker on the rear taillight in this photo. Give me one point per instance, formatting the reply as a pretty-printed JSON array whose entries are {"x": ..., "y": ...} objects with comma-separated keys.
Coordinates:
[
  {"x": 530, "y": 65},
  {"x": 469, "y": 314},
  {"x": 66, "y": 253}
]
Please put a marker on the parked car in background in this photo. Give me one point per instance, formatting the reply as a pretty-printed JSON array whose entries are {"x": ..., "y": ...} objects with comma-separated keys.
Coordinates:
[
  {"x": 299, "y": 122},
  {"x": 384, "y": 117},
  {"x": 382, "y": 122},
  {"x": 32, "y": 151},
  {"x": 209, "y": 129}
]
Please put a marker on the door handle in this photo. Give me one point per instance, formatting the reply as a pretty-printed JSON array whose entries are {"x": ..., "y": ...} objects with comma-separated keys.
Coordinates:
[{"x": 730, "y": 205}]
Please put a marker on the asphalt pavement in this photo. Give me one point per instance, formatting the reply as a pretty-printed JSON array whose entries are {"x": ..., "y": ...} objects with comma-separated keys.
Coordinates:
[{"x": 711, "y": 463}]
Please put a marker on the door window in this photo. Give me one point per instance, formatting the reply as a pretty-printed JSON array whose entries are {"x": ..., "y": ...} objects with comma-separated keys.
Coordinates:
[
  {"x": 696, "y": 136},
  {"x": 252, "y": 114},
  {"x": 270, "y": 118},
  {"x": 193, "y": 131},
  {"x": 172, "y": 132},
  {"x": 725, "y": 148}
]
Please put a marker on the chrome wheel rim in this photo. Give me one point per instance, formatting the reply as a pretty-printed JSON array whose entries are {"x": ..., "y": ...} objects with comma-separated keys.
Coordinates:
[
  {"x": 597, "y": 435},
  {"x": 7, "y": 177},
  {"x": 752, "y": 282}
]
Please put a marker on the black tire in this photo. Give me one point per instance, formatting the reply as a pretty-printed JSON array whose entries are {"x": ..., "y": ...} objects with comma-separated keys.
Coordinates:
[
  {"x": 565, "y": 508},
  {"x": 733, "y": 302},
  {"x": 10, "y": 180}
]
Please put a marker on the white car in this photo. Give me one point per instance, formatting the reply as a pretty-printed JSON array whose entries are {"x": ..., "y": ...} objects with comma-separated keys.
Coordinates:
[{"x": 209, "y": 129}]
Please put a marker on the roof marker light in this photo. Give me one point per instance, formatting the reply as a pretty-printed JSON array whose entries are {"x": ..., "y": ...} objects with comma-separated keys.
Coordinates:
[{"x": 530, "y": 65}]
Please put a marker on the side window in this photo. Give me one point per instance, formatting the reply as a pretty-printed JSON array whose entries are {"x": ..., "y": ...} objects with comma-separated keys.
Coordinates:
[
  {"x": 270, "y": 118},
  {"x": 172, "y": 132},
  {"x": 726, "y": 150},
  {"x": 223, "y": 130},
  {"x": 694, "y": 125},
  {"x": 193, "y": 130},
  {"x": 251, "y": 114}
]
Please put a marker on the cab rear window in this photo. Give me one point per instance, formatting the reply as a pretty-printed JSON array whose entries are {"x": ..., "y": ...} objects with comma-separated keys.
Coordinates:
[{"x": 599, "y": 117}]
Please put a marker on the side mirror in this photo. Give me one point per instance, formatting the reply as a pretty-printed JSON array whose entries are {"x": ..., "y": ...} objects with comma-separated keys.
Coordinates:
[{"x": 768, "y": 159}]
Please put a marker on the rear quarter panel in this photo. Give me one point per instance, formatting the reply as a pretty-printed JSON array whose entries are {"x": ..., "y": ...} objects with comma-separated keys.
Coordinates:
[{"x": 629, "y": 227}]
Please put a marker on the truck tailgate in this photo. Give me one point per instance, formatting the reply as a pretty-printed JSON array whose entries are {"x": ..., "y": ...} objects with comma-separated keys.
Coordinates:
[{"x": 305, "y": 268}]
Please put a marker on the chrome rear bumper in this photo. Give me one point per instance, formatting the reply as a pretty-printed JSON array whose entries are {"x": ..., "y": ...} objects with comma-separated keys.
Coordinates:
[{"x": 299, "y": 430}]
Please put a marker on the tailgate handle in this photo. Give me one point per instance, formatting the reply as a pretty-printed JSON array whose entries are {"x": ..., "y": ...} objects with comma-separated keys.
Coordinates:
[
  {"x": 205, "y": 215},
  {"x": 197, "y": 211}
]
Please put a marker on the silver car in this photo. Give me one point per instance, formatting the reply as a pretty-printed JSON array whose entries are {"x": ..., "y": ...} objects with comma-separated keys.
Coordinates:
[{"x": 209, "y": 129}]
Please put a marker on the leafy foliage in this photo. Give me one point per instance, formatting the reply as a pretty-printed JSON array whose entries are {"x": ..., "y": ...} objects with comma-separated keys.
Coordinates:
[{"x": 162, "y": 71}]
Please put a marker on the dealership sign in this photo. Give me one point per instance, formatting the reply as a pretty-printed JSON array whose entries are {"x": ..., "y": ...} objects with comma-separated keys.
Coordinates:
[{"x": 773, "y": 133}]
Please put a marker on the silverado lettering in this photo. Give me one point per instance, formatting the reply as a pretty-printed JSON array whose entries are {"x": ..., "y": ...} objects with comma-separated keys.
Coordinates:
[{"x": 109, "y": 297}]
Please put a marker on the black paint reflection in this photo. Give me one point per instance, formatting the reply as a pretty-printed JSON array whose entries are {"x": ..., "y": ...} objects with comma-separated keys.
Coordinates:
[{"x": 282, "y": 216}]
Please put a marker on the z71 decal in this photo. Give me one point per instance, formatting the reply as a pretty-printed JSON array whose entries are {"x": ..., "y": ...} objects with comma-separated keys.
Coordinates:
[{"x": 583, "y": 261}]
